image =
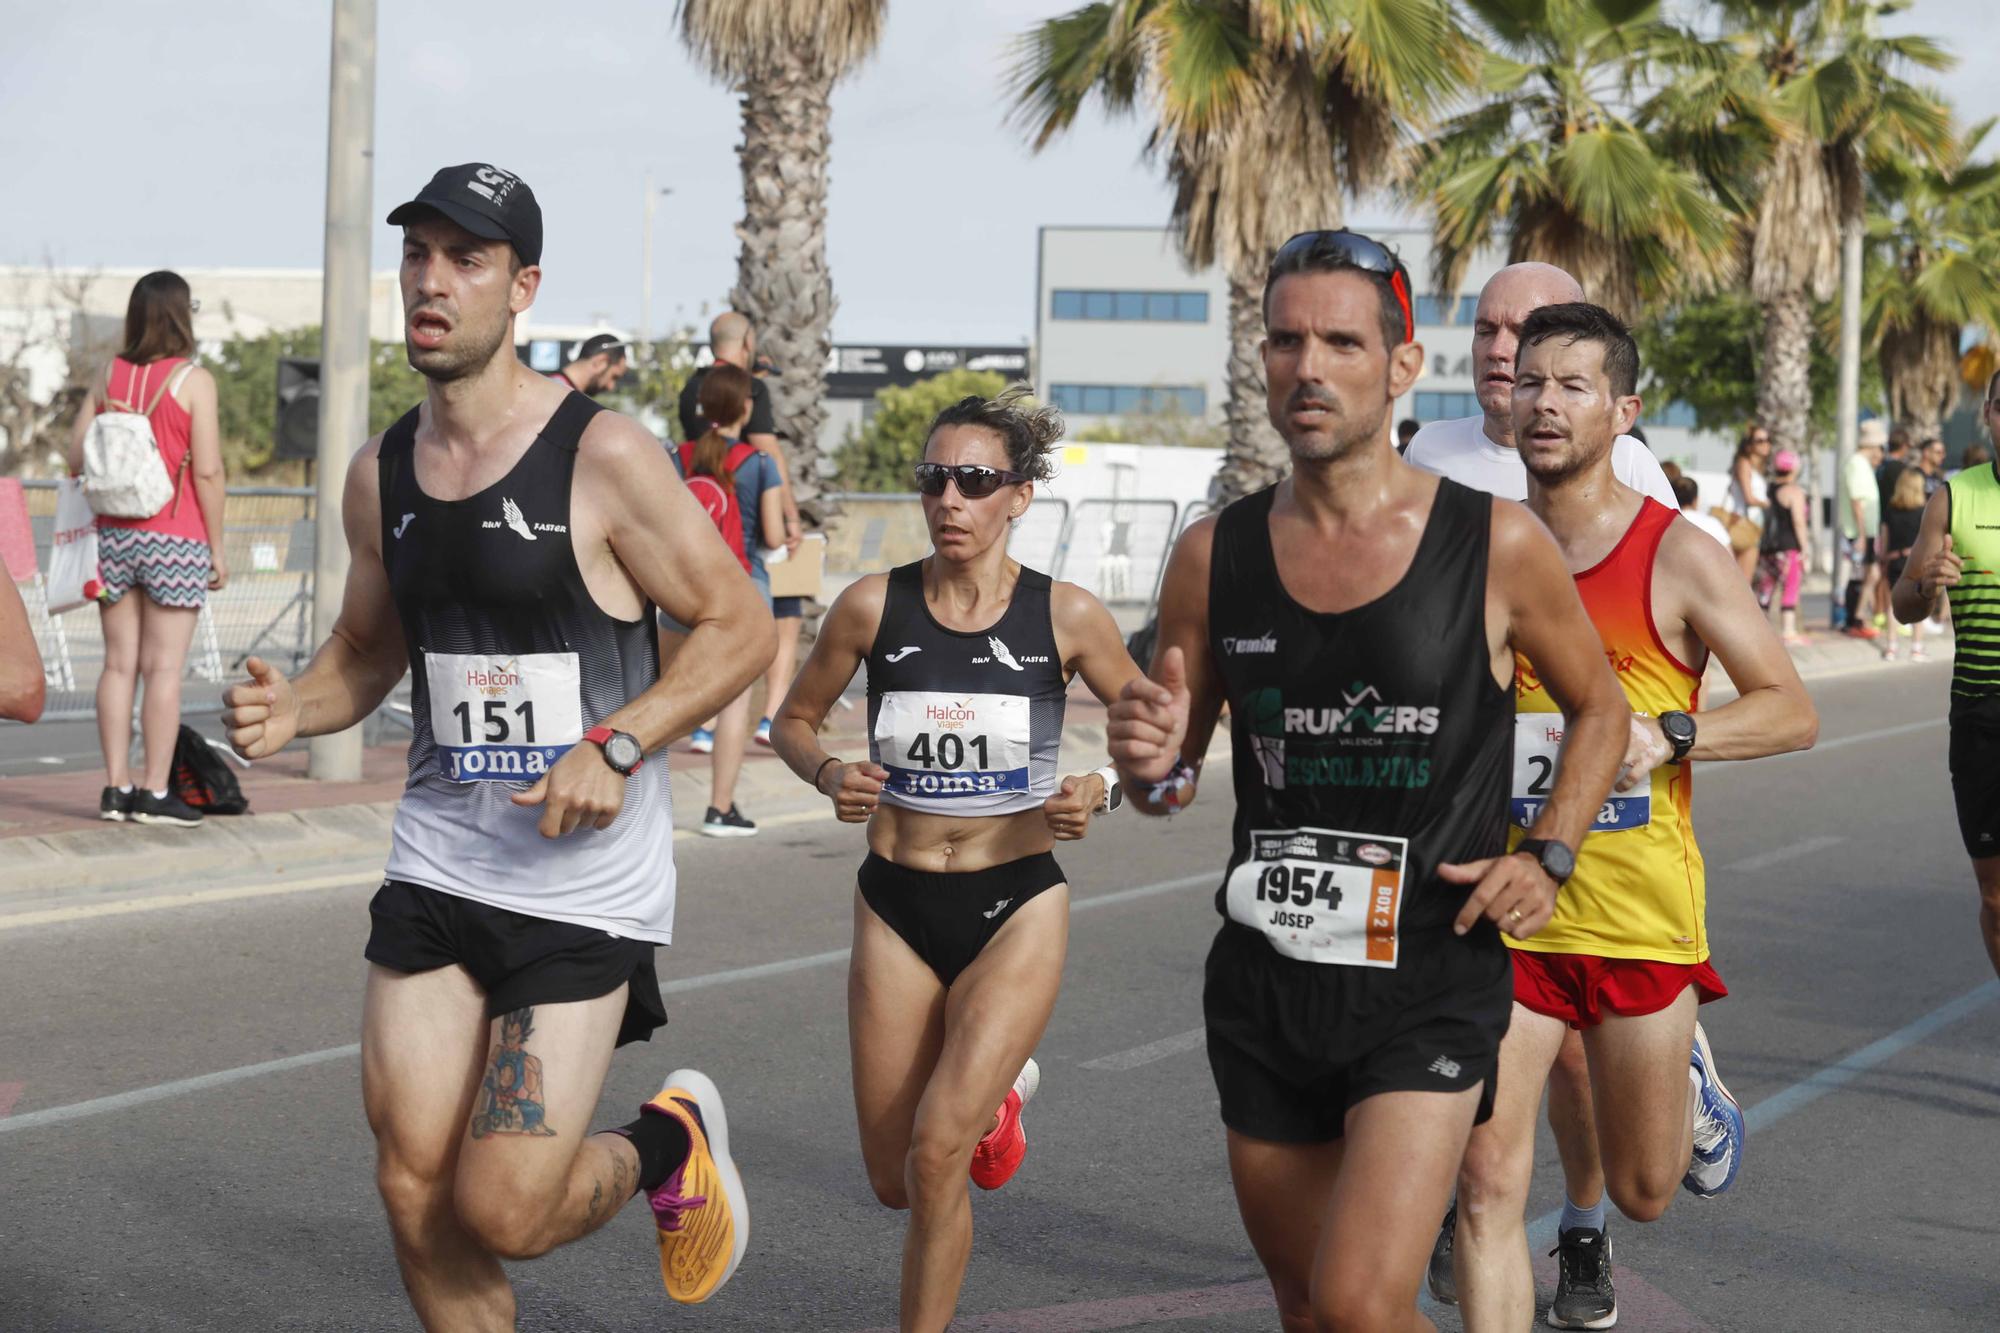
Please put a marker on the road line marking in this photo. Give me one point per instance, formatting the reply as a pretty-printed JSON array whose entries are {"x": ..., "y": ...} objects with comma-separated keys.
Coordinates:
[
  {"x": 1779, "y": 855},
  {"x": 275, "y": 889},
  {"x": 1837, "y": 1075},
  {"x": 1825, "y": 1079},
  {"x": 1177, "y": 1044},
  {"x": 1840, "y": 742},
  {"x": 56, "y": 1115}
]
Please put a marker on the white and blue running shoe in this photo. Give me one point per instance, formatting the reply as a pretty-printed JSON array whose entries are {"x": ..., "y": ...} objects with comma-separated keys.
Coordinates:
[{"x": 1718, "y": 1126}]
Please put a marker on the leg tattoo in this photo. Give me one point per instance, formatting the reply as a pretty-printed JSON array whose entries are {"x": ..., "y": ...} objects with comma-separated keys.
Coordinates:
[{"x": 511, "y": 1093}]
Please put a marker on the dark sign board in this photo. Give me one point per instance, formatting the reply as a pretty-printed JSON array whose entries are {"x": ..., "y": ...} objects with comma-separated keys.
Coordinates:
[{"x": 853, "y": 370}]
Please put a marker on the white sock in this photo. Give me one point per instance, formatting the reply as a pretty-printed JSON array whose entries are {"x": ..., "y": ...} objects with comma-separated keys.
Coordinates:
[
  {"x": 160, "y": 795},
  {"x": 125, "y": 790}
]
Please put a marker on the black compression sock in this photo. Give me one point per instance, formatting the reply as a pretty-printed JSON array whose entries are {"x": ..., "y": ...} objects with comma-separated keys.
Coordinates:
[{"x": 662, "y": 1143}]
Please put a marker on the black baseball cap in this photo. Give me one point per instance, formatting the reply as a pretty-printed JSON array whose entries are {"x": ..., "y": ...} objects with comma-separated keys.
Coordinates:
[
  {"x": 490, "y": 203},
  {"x": 600, "y": 342}
]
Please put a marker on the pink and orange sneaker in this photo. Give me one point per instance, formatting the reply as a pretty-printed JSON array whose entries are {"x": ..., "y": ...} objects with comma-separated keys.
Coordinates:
[
  {"x": 998, "y": 1156},
  {"x": 700, "y": 1210}
]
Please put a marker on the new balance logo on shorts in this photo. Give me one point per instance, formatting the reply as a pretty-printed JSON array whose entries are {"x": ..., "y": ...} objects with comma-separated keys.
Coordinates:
[{"x": 1445, "y": 1065}]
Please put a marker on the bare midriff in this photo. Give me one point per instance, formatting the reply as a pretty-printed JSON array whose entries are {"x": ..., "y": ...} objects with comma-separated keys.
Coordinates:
[{"x": 940, "y": 844}]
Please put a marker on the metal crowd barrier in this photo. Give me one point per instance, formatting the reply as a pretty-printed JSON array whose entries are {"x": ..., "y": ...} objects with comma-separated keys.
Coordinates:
[
  {"x": 1116, "y": 548},
  {"x": 266, "y": 608}
]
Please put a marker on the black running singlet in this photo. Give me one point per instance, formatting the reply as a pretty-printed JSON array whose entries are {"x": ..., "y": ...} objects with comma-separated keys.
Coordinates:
[
  {"x": 1369, "y": 745},
  {"x": 967, "y": 723},
  {"x": 511, "y": 661}
]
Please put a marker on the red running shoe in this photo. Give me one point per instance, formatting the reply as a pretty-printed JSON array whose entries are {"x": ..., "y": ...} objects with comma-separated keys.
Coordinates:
[{"x": 998, "y": 1156}]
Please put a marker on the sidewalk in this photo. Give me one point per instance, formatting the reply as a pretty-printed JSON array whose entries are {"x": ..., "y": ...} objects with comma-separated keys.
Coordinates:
[
  {"x": 51, "y": 838},
  {"x": 52, "y": 841}
]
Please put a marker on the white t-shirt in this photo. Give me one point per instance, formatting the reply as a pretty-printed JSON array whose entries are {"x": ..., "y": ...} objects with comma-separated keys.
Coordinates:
[
  {"x": 1460, "y": 450},
  {"x": 1710, "y": 525}
]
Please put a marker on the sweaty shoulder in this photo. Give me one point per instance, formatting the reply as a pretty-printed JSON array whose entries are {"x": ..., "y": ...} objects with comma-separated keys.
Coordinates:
[
  {"x": 1071, "y": 605},
  {"x": 1695, "y": 560},
  {"x": 857, "y": 612},
  {"x": 1515, "y": 531},
  {"x": 614, "y": 440}
]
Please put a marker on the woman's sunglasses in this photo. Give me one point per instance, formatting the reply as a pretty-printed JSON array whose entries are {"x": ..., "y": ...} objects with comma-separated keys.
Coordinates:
[{"x": 974, "y": 482}]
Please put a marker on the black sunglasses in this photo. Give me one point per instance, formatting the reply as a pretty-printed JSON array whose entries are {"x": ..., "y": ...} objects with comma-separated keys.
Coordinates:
[
  {"x": 974, "y": 482},
  {"x": 1355, "y": 251}
]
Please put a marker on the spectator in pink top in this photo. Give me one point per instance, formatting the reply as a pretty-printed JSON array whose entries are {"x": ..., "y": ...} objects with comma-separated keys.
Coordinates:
[{"x": 172, "y": 560}]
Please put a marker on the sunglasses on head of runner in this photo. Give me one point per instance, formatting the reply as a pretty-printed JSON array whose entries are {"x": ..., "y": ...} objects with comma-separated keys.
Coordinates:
[
  {"x": 974, "y": 482},
  {"x": 1352, "y": 250}
]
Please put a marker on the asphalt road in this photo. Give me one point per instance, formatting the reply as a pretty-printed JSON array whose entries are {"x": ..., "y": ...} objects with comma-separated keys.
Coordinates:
[{"x": 1839, "y": 899}]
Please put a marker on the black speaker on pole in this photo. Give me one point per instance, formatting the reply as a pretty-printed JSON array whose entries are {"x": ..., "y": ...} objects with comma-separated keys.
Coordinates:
[{"x": 298, "y": 408}]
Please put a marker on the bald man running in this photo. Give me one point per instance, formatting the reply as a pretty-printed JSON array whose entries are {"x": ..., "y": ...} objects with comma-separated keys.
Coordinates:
[{"x": 1479, "y": 452}]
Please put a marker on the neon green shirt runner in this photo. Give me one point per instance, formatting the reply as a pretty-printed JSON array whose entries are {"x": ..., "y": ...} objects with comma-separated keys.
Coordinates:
[{"x": 1975, "y": 602}]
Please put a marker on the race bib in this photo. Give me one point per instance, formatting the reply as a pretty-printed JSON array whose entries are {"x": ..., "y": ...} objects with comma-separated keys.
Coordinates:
[
  {"x": 1322, "y": 896},
  {"x": 938, "y": 746},
  {"x": 1537, "y": 749},
  {"x": 503, "y": 719}
]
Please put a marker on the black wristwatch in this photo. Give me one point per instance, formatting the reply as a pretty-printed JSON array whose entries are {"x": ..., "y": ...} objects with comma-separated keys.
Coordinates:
[
  {"x": 1558, "y": 861},
  {"x": 1679, "y": 730},
  {"x": 621, "y": 749}
]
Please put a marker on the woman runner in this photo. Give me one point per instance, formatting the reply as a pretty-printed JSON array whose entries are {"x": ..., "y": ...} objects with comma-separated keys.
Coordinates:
[{"x": 961, "y": 919}]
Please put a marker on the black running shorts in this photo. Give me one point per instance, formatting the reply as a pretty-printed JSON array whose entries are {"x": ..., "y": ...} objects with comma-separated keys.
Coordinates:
[
  {"x": 1294, "y": 1045},
  {"x": 518, "y": 960},
  {"x": 948, "y": 918},
  {"x": 1975, "y": 783}
]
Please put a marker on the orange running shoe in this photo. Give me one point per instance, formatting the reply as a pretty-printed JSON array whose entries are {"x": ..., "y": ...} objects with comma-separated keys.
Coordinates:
[
  {"x": 998, "y": 1156},
  {"x": 700, "y": 1211}
]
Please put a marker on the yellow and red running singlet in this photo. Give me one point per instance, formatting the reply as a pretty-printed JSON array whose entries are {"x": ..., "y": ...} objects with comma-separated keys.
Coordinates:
[{"x": 1639, "y": 890}]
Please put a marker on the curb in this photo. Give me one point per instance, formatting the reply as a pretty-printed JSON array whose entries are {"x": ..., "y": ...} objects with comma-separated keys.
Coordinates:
[{"x": 139, "y": 856}]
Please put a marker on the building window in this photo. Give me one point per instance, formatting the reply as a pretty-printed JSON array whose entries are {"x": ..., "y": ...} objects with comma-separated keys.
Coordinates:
[
  {"x": 1446, "y": 406},
  {"x": 1156, "y": 307},
  {"x": 1103, "y": 400},
  {"x": 1433, "y": 310},
  {"x": 1672, "y": 415}
]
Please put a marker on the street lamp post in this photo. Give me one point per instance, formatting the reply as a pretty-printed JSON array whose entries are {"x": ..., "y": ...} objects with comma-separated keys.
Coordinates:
[
  {"x": 653, "y": 197},
  {"x": 346, "y": 289}
]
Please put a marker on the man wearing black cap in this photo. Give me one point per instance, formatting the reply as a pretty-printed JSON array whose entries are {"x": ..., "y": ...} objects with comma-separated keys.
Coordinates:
[
  {"x": 509, "y": 541},
  {"x": 598, "y": 365}
]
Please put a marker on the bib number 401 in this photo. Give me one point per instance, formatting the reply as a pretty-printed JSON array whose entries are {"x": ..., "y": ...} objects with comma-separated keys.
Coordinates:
[{"x": 947, "y": 751}]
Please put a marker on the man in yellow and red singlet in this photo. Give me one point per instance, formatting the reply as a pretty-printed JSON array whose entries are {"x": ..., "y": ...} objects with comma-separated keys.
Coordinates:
[{"x": 1625, "y": 958}]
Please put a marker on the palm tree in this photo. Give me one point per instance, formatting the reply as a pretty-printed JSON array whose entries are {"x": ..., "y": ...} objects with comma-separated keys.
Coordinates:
[
  {"x": 1829, "y": 104},
  {"x": 784, "y": 57},
  {"x": 1266, "y": 115},
  {"x": 1558, "y": 161},
  {"x": 1936, "y": 239}
]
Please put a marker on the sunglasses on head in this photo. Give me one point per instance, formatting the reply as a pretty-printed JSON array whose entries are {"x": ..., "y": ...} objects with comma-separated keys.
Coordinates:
[
  {"x": 1354, "y": 250},
  {"x": 974, "y": 482}
]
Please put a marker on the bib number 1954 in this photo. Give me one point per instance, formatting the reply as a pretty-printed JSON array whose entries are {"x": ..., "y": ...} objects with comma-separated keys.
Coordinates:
[{"x": 1322, "y": 895}]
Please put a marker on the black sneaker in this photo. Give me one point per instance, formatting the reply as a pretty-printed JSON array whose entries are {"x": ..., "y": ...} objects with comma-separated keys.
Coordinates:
[
  {"x": 114, "y": 806},
  {"x": 1584, "y": 1298},
  {"x": 717, "y": 824},
  {"x": 1443, "y": 1282},
  {"x": 169, "y": 809}
]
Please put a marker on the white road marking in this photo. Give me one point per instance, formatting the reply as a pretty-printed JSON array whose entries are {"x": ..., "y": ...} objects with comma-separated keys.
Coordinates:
[
  {"x": 277, "y": 888},
  {"x": 1177, "y": 1044},
  {"x": 1842, "y": 742},
  {"x": 57, "y": 1115},
  {"x": 1778, "y": 855}
]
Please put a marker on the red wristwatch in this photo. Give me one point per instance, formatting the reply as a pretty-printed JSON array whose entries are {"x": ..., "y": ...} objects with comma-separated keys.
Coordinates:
[{"x": 621, "y": 749}]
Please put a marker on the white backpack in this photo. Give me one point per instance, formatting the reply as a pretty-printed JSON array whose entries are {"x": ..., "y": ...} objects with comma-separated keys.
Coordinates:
[{"x": 124, "y": 473}]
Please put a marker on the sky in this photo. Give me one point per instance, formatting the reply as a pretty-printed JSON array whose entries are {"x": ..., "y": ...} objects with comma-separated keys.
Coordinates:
[{"x": 195, "y": 136}]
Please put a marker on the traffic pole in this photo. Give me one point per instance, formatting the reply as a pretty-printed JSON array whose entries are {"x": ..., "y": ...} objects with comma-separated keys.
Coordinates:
[
  {"x": 344, "y": 348},
  {"x": 1848, "y": 408}
]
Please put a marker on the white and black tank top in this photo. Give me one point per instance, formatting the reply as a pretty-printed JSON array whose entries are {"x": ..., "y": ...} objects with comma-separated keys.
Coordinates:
[
  {"x": 511, "y": 661},
  {"x": 1369, "y": 746},
  {"x": 966, "y": 722}
]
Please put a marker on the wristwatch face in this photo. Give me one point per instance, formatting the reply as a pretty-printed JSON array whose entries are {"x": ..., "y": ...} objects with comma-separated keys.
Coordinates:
[
  {"x": 1678, "y": 727},
  {"x": 1559, "y": 861},
  {"x": 622, "y": 751}
]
